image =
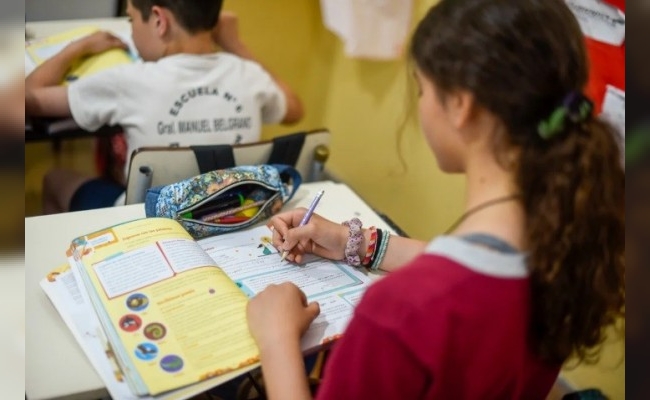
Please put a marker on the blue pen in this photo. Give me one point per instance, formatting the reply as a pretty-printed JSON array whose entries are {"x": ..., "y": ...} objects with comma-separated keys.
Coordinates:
[{"x": 307, "y": 216}]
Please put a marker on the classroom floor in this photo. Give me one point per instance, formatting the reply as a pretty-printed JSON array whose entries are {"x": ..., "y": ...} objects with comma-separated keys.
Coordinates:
[{"x": 40, "y": 157}]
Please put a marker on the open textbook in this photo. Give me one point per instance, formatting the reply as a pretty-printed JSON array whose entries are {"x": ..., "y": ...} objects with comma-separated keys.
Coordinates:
[
  {"x": 168, "y": 311},
  {"x": 37, "y": 51}
]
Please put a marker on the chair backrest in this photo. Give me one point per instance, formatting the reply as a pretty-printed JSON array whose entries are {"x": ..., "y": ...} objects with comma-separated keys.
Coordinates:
[{"x": 153, "y": 166}]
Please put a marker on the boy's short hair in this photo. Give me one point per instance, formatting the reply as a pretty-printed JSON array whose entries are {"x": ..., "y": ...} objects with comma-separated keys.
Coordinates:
[{"x": 193, "y": 15}]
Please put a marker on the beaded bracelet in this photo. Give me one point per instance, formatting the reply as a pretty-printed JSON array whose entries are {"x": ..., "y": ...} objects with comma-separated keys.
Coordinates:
[
  {"x": 381, "y": 252},
  {"x": 354, "y": 241},
  {"x": 372, "y": 246}
]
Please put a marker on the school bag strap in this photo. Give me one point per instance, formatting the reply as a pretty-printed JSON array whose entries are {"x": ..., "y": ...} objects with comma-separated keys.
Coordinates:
[{"x": 286, "y": 149}]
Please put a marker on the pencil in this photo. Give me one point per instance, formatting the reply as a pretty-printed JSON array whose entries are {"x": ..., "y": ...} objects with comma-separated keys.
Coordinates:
[
  {"x": 307, "y": 217},
  {"x": 216, "y": 215}
]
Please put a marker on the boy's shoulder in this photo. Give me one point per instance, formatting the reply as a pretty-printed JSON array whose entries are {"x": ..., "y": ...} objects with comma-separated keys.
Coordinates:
[
  {"x": 216, "y": 62},
  {"x": 174, "y": 70},
  {"x": 210, "y": 59}
]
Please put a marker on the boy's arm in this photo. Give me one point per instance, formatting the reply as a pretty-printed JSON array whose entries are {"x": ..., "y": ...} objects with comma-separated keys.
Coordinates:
[
  {"x": 43, "y": 94},
  {"x": 12, "y": 115},
  {"x": 226, "y": 35},
  {"x": 47, "y": 101}
]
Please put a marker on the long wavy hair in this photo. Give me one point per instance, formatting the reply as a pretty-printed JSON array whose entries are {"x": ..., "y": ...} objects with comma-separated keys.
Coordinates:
[{"x": 520, "y": 58}]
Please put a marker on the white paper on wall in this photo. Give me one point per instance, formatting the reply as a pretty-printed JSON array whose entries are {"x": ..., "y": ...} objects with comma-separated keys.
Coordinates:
[
  {"x": 613, "y": 109},
  {"x": 373, "y": 29},
  {"x": 599, "y": 20}
]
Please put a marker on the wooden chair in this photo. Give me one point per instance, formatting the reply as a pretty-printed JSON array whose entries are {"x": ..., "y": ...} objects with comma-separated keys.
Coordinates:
[{"x": 154, "y": 166}]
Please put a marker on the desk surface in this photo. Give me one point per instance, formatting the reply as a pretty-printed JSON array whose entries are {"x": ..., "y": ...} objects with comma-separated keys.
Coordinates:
[
  {"x": 47, "y": 129},
  {"x": 55, "y": 364}
]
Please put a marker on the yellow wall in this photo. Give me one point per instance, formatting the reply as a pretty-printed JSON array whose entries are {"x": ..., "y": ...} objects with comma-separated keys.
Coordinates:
[
  {"x": 363, "y": 104},
  {"x": 608, "y": 374}
]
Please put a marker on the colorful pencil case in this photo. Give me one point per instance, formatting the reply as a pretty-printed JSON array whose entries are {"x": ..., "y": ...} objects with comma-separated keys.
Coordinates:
[{"x": 224, "y": 200}]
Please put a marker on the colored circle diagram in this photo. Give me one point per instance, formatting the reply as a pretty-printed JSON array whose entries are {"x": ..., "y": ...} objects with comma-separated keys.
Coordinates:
[
  {"x": 171, "y": 363},
  {"x": 154, "y": 331},
  {"x": 130, "y": 322},
  {"x": 137, "y": 302},
  {"x": 146, "y": 351}
]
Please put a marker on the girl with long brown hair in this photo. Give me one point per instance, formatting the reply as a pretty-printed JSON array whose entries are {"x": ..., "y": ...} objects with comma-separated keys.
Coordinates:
[{"x": 533, "y": 271}]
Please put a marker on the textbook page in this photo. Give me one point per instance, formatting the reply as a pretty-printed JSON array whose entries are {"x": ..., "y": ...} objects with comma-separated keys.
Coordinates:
[
  {"x": 172, "y": 316},
  {"x": 251, "y": 261},
  {"x": 62, "y": 289},
  {"x": 37, "y": 51}
]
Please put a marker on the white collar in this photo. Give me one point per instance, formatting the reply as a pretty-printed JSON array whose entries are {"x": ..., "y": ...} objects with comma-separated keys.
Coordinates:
[{"x": 479, "y": 258}]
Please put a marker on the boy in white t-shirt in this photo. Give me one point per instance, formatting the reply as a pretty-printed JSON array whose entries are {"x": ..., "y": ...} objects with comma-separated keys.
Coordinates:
[{"x": 185, "y": 92}]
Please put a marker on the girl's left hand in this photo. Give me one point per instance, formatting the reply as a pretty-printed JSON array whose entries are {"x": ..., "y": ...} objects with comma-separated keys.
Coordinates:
[{"x": 280, "y": 313}]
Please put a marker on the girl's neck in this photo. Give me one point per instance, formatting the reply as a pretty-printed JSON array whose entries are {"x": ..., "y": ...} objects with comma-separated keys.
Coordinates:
[{"x": 487, "y": 180}]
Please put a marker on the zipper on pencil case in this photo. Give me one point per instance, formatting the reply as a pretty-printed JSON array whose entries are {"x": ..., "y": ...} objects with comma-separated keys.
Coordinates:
[
  {"x": 276, "y": 193},
  {"x": 262, "y": 207}
]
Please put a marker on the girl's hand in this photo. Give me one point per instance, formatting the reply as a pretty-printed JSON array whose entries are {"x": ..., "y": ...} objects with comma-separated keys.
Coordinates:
[
  {"x": 280, "y": 313},
  {"x": 319, "y": 236}
]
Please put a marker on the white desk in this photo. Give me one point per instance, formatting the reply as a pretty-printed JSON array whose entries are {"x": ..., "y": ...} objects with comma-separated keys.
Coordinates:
[{"x": 55, "y": 364}]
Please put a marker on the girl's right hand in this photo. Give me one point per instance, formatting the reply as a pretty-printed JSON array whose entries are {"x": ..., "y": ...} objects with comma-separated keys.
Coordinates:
[{"x": 319, "y": 236}]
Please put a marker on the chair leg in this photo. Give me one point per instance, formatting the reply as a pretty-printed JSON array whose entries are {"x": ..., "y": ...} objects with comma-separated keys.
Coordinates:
[{"x": 254, "y": 381}]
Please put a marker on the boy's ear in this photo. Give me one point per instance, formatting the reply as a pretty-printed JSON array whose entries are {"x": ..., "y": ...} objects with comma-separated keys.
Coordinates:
[{"x": 160, "y": 20}]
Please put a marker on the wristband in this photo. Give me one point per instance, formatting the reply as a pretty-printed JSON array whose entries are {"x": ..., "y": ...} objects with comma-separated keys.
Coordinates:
[
  {"x": 382, "y": 246},
  {"x": 380, "y": 234},
  {"x": 372, "y": 246}
]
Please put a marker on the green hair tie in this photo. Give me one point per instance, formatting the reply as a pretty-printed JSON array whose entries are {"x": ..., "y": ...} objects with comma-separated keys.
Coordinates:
[
  {"x": 575, "y": 106},
  {"x": 553, "y": 125}
]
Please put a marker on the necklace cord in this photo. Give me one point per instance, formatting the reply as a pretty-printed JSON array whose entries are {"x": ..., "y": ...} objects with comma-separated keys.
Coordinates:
[{"x": 480, "y": 207}]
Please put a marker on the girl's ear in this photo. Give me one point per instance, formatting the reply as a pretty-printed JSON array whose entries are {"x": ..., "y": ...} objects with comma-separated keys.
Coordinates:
[{"x": 461, "y": 106}]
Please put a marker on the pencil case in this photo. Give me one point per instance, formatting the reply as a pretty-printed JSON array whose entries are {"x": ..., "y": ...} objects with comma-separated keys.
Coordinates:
[{"x": 224, "y": 200}]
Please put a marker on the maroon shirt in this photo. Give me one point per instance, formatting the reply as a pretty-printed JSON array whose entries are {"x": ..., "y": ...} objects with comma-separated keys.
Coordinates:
[{"x": 453, "y": 324}]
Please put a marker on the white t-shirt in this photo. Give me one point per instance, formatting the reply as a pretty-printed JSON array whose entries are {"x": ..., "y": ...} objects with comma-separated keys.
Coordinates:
[{"x": 182, "y": 99}]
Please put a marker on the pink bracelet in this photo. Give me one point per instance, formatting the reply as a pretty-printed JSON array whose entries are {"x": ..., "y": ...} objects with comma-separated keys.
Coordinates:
[
  {"x": 372, "y": 247},
  {"x": 354, "y": 242}
]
